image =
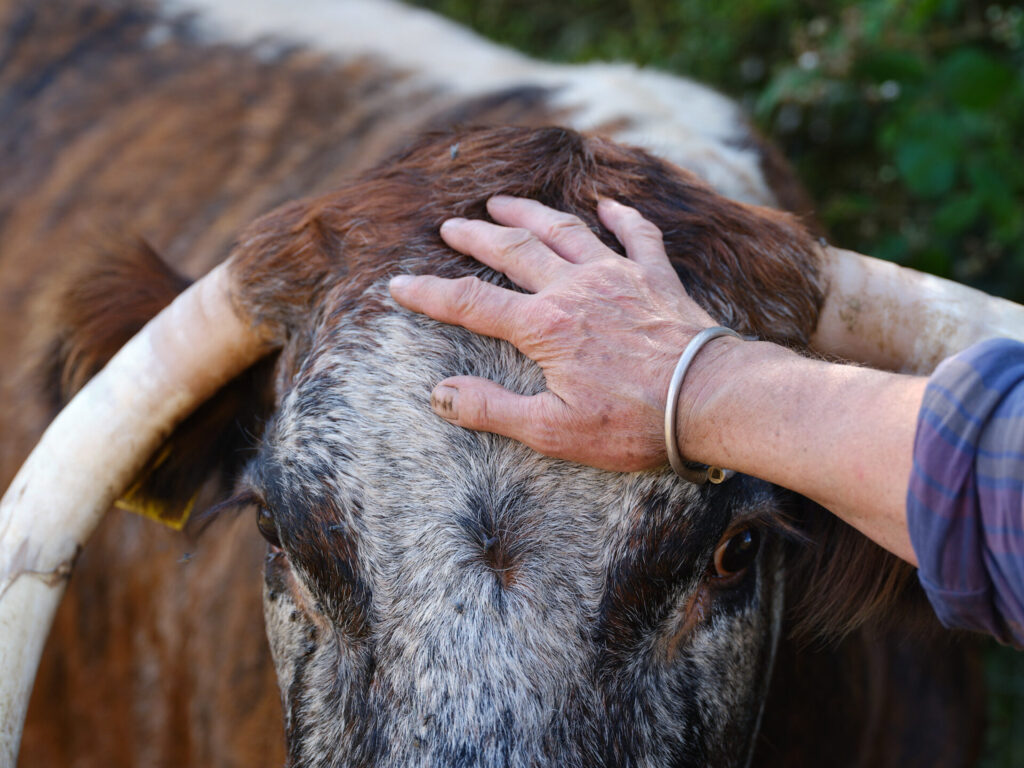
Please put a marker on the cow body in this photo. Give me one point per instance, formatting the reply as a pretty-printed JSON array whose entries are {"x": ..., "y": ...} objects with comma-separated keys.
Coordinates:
[{"x": 480, "y": 604}]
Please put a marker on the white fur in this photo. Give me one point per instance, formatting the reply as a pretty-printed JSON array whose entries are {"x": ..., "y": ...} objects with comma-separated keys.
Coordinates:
[{"x": 676, "y": 118}]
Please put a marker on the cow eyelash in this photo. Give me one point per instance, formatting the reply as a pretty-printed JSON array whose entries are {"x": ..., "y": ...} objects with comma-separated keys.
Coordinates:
[
  {"x": 767, "y": 522},
  {"x": 198, "y": 524}
]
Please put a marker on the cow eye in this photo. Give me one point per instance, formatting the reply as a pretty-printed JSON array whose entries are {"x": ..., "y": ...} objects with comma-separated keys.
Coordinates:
[
  {"x": 267, "y": 526},
  {"x": 735, "y": 554}
]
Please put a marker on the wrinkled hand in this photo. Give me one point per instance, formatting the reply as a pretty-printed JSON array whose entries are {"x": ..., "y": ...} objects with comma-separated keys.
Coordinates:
[{"x": 606, "y": 331}]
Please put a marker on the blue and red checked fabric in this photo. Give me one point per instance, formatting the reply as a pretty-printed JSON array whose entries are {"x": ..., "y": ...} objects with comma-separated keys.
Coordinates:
[{"x": 965, "y": 503}]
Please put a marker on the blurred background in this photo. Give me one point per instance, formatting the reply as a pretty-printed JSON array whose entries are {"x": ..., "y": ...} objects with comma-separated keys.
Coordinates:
[{"x": 905, "y": 121}]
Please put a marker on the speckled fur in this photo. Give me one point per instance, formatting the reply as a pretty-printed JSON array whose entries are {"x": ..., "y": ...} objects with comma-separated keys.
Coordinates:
[
  {"x": 451, "y": 597},
  {"x": 447, "y": 665}
]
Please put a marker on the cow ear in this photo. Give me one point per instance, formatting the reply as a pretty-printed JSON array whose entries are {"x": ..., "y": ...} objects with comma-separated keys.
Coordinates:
[
  {"x": 115, "y": 288},
  {"x": 842, "y": 581}
]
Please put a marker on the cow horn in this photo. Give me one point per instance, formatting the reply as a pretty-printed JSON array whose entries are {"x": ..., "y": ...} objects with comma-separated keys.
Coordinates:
[
  {"x": 895, "y": 318},
  {"x": 90, "y": 454}
]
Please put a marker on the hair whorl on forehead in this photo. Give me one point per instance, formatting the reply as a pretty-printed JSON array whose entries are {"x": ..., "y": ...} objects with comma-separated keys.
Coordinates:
[{"x": 388, "y": 221}]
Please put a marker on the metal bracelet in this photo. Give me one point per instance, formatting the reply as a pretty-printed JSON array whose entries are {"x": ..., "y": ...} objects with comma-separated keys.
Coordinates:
[{"x": 699, "y": 476}]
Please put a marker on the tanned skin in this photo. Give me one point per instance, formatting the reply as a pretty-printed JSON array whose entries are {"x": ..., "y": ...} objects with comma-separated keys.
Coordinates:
[{"x": 607, "y": 333}]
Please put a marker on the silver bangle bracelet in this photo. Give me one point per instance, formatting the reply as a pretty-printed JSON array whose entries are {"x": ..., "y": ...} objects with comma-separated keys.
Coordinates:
[{"x": 707, "y": 474}]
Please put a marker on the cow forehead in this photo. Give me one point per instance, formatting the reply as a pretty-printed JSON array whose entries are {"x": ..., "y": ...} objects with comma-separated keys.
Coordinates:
[{"x": 358, "y": 421}]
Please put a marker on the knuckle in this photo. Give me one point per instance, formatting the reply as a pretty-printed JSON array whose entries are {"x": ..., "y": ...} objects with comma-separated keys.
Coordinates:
[
  {"x": 638, "y": 222},
  {"x": 466, "y": 294},
  {"x": 566, "y": 226},
  {"x": 479, "y": 416},
  {"x": 473, "y": 410},
  {"x": 555, "y": 317},
  {"x": 518, "y": 241},
  {"x": 608, "y": 278},
  {"x": 627, "y": 215},
  {"x": 645, "y": 227}
]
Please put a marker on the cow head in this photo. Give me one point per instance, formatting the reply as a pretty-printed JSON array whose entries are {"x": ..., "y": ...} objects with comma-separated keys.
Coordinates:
[{"x": 438, "y": 596}]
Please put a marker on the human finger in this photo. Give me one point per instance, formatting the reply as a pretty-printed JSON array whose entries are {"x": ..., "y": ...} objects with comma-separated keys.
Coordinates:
[
  {"x": 516, "y": 252},
  {"x": 467, "y": 301},
  {"x": 481, "y": 404},
  {"x": 642, "y": 240},
  {"x": 563, "y": 233}
]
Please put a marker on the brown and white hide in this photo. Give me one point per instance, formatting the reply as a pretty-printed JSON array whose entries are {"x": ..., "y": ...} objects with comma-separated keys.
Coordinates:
[{"x": 131, "y": 129}]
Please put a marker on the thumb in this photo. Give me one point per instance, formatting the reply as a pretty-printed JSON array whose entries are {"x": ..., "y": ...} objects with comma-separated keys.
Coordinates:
[{"x": 480, "y": 404}]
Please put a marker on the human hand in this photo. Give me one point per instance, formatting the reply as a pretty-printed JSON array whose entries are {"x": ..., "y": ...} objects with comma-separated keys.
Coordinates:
[{"x": 606, "y": 331}]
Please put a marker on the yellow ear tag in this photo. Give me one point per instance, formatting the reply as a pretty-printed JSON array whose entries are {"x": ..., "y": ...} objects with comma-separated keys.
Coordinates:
[
  {"x": 169, "y": 516},
  {"x": 135, "y": 501}
]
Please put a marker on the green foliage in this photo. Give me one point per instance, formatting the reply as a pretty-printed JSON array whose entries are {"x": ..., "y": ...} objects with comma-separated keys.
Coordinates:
[{"x": 904, "y": 119}]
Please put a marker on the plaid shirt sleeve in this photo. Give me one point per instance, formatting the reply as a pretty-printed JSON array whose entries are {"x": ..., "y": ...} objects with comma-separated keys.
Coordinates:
[{"x": 965, "y": 503}]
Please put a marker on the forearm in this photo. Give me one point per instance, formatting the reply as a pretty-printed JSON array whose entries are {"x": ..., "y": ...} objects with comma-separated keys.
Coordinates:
[{"x": 840, "y": 435}]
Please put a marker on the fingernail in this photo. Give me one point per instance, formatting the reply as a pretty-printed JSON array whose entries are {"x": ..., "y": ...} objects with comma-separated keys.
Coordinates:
[
  {"x": 400, "y": 282},
  {"x": 500, "y": 200},
  {"x": 450, "y": 224},
  {"x": 445, "y": 401}
]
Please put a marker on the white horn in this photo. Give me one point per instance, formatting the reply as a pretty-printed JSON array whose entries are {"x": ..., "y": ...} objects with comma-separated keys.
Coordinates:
[
  {"x": 895, "y": 318},
  {"x": 92, "y": 452}
]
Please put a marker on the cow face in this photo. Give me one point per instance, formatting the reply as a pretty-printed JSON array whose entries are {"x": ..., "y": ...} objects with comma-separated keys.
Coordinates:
[{"x": 436, "y": 596}]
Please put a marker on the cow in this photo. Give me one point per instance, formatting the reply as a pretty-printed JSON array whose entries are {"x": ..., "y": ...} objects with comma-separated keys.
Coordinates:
[{"x": 431, "y": 595}]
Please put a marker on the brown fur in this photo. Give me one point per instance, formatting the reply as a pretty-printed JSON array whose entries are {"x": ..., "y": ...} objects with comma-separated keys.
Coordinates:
[
  {"x": 86, "y": 332},
  {"x": 845, "y": 581},
  {"x": 288, "y": 260}
]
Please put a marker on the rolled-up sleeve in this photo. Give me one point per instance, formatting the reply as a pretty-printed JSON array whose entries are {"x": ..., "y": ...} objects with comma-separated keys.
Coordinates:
[{"x": 965, "y": 502}]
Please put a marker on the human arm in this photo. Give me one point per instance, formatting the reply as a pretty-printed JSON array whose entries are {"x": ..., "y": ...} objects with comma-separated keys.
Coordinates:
[
  {"x": 841, "y": 435},
  {"x": 607, "y": 332}
]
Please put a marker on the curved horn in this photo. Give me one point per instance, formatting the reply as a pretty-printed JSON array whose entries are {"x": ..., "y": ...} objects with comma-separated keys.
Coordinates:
[
  {"x": 891, "y": 317},
  {"x": 90, "y": 454}
]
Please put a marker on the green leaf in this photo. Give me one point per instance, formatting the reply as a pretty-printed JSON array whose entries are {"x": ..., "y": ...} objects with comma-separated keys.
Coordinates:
[
  {"x": 957, "y": 215},
  {"x": 934, "y": 260},
  {"x": 846, "y": 207},
  {"x": 880, "y": 65},
  {"x": 927, "y": 164},
  {"x": 973, "y": 79},
  {"x": 892, "y": 248},
  {"x": 790, "y": 84}
]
